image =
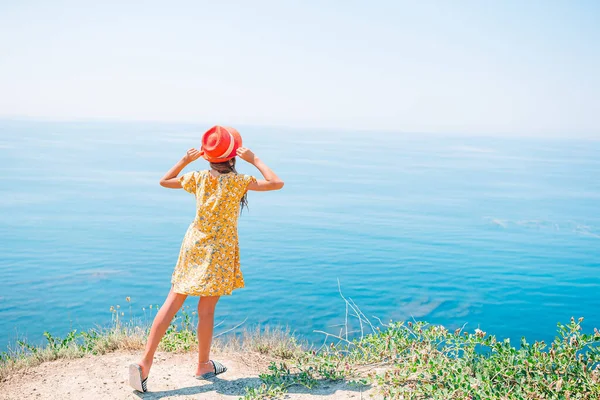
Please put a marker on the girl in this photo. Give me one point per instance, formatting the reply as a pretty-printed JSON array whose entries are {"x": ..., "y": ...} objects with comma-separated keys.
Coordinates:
[{"x": 208, "y": 264}]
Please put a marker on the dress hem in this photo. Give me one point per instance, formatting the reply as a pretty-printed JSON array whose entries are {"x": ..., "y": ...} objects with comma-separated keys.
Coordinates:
[{"x": 201, "y": 294}]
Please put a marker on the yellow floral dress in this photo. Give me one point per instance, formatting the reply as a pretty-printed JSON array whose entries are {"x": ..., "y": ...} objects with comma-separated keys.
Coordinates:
[{"x": 209, "y": 259}]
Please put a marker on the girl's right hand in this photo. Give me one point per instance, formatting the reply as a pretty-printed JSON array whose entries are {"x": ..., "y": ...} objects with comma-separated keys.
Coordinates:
[
  {"x": 246, "y": 154},
  {"x": 191, "y": 155}
]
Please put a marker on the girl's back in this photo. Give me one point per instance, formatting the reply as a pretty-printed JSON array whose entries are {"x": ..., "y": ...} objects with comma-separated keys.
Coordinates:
[{"x": 217, "y": 197}]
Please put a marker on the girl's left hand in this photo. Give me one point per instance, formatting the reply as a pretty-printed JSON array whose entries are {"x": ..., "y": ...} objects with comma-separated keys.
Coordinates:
[
  {"x": 192, "y": 155},
  {"x": 246, "y": 154}
]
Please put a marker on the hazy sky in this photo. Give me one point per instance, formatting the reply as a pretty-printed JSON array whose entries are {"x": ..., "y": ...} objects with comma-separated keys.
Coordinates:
[{"x": 494, "y": 67}]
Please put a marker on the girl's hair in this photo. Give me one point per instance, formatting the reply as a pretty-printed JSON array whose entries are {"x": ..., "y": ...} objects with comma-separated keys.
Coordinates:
[{"x": 225, "y": 168}]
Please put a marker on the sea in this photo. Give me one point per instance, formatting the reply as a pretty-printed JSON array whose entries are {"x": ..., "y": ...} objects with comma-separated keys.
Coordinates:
[{"x": 496, "y": 233}]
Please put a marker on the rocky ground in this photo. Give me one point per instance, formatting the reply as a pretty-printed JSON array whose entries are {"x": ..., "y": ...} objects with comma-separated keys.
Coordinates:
[{"x": 106, "y": 377}]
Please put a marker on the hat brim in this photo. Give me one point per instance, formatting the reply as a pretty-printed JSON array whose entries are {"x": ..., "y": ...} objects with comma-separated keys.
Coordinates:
[{"x": 237, "y": 143}]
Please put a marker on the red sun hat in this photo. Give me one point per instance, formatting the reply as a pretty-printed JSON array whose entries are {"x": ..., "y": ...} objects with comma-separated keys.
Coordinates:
[{"x": 220, "y": 143}]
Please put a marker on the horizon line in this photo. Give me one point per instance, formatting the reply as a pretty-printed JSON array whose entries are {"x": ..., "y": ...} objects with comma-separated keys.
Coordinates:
[{"x": 337, "y": 129}]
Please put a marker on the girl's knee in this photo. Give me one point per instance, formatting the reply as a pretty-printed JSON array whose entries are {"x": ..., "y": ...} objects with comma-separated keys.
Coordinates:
[
  {"x": 206, "y": 311},
  {"x": 206, "y": 314},
  {"x": 206, "y": 307}
]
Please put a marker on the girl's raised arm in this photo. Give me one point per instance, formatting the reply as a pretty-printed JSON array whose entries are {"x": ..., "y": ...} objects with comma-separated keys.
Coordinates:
[
  {"x": 170, "y": 179},
  {"x": 271, "y": 181}
]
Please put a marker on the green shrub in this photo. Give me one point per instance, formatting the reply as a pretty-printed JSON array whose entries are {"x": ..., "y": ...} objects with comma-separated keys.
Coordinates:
[
  {"x": 431, "y": 362},
  {"x": 422, "y": 361}
]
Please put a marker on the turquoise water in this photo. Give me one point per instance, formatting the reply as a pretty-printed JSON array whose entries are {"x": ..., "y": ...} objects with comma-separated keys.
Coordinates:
[{"x": 502, "y": 234}]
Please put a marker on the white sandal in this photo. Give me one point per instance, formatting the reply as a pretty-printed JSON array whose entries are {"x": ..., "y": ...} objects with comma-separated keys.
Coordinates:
[{"x": 135, "y": 378}]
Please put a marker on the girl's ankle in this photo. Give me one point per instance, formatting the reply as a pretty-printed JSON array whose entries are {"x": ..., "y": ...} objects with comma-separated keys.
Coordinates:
[{"x": 146, "y": 362}]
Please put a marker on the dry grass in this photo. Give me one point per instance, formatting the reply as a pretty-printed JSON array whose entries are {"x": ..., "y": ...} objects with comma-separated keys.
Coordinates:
[{"x": 275, "y": 343}]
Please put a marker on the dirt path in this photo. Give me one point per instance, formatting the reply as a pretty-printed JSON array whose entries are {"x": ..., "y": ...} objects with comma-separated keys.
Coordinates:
[{"x": 105, "y": 377}]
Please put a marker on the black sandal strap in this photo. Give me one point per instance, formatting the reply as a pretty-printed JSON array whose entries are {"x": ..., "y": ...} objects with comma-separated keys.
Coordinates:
[{"x": 219, "y": 368}]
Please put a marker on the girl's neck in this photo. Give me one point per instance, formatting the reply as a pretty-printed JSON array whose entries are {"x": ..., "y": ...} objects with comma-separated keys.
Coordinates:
[{"x": 216, "y": 173}]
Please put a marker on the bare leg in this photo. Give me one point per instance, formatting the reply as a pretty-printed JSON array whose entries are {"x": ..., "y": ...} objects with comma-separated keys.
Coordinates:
[
  {"x": 160, "y": 324},
  {"x": 206, "y": 322}
]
